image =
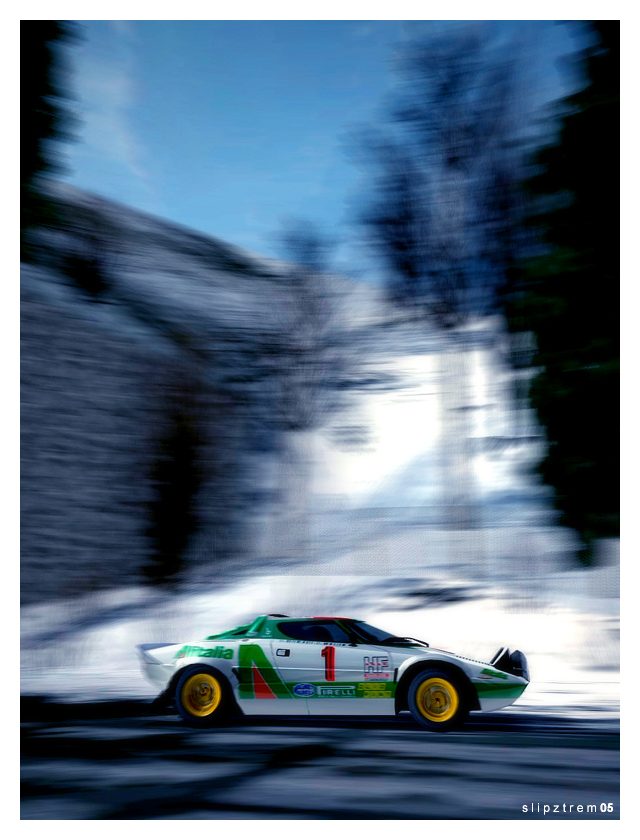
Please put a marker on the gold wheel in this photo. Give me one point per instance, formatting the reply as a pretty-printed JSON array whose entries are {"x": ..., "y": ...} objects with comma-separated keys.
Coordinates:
[
  {"x": 437, "y": 699},
  {"x": 201, "y": 695}
]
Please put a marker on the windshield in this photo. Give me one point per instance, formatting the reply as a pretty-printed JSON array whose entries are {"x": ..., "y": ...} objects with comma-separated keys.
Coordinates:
[
  {"x": 373, "y": 635},
  {"x": 368, "y": 633}
]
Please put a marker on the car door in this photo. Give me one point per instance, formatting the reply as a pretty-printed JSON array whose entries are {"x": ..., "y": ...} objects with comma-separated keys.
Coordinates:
[
  {"x": 299, "y": 664},
  {"x": 358, "y": 680},
  {"x": 299, "y": 653},
  {"x": 321, "y": 661}
]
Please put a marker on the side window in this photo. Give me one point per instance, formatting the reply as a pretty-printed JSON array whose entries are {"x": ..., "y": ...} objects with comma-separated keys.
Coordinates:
[
  {"x": 313, "y": 631},
  {"x": 337, "y": 633}
]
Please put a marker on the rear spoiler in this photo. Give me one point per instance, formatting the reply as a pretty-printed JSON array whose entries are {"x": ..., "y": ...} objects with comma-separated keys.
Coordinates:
[
  {"x": 511, "y": 662},
  {"x": 144, "y": 650}
]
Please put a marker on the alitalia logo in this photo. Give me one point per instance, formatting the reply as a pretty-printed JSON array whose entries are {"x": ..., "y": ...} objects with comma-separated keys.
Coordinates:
[{"x": 219, "y": 652}]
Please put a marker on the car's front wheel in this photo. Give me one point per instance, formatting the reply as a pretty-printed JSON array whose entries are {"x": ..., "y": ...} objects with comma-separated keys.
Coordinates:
[
  {"x": 202, "y": 696},
  {"x": 436, "y": 700}
]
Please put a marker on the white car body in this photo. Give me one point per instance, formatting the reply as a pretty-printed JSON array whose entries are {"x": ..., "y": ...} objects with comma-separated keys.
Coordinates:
[{"x": 271, "y": 673}]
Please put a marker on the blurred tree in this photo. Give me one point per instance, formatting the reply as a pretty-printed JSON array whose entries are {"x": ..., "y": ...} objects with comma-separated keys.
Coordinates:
[
  {"x": 308, "y": 373},
  {"x": 445, "y": 200},
  {"x": 446, "y": 175},
  {"x": 176, "y": 480},
  {"x": 567, "y": 294},
  {"x": 44, "y": 117},
  {"x": 307, "y": 323}
]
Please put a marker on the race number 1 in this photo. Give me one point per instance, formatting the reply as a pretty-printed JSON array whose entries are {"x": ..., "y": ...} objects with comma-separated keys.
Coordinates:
[{"x": 329, "y": 655}]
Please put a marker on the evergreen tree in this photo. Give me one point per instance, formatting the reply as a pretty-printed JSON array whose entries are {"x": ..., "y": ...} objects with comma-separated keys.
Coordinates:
[
  {"x": 567, "y": 296},
  {"x": 44, "y": 119}
]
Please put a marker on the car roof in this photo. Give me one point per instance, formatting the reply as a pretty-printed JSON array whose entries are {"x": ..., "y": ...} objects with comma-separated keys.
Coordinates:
[{"x": 312, "y": 617}]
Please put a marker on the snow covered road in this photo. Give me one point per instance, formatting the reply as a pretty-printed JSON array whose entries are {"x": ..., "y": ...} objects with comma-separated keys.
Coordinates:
[{"x": 119, "y": 760}]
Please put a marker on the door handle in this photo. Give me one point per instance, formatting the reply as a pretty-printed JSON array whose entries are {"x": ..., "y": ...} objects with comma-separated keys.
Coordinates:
[{"x": 283, "y": 652}]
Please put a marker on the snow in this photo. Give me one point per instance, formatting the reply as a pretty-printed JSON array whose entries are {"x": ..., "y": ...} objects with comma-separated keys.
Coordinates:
[{"x": 84, "y": 648}]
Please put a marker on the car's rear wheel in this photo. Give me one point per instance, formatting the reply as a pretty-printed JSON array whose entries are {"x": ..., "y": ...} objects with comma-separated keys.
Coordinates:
[
  {"x": 437, "y": 700},
  {"x": 202, "y": 696}
]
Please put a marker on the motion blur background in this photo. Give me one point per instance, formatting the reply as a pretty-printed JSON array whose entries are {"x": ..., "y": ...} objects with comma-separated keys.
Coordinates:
[{"x": 321, "y": 317}]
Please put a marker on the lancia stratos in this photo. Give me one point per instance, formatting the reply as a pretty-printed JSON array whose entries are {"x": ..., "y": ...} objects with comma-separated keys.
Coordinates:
[{"x": 284, "y": 666}]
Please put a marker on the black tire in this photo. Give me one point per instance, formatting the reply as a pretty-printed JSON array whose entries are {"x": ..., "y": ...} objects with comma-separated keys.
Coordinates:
[
  {"x": 437, "y": 700},
  {"x": 203, "y": 696}
]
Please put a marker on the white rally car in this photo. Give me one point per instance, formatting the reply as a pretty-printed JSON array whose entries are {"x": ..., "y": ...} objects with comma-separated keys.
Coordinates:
[{"x": 278, "y": 665}]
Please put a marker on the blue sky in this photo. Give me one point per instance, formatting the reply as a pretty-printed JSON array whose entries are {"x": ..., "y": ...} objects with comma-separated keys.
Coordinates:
[{"x": 232, "y": 127}]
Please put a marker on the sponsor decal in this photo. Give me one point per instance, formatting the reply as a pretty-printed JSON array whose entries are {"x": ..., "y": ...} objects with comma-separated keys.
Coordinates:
[
  {"x": 336, "y": 691},
  {"x": 374, "y": 690},
  {"x": 304, "y": 690},
  {"x": 376, "y": 668},
  {"x": 219, "y": 652}
]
